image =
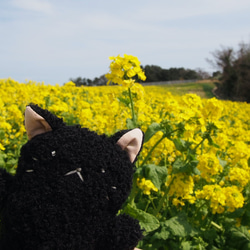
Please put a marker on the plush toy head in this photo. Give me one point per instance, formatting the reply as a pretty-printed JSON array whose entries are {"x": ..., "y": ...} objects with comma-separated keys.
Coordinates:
[{"x": 69, "y": 186}]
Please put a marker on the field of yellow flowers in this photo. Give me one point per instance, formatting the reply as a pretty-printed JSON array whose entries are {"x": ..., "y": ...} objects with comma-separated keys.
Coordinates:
[{"x": 192, "y": 182}]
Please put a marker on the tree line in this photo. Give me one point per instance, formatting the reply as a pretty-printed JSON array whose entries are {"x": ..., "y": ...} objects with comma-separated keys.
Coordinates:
[
  {"x": 153, "y": 74},
  {"x": 157, "y": 74}
]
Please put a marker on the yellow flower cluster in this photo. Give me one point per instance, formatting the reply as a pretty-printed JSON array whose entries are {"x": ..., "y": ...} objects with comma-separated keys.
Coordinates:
[
  {"x": 230, "y": 146},
  {"x": 239, "y": 175},
  {"x": 146, "y": 185},
  {"x": 181, "y": 188},
  {"x": 221, "y": 198},
  {"x": 123, "y": 69},
  {"x": 209, "y": 166}
]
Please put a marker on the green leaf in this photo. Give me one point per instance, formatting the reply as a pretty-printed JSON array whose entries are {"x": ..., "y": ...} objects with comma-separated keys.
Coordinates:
[
  {"x": 181, "y": 145},
  {"x": 211, "y": 141},
  {"x": 152, "y": 130},
  {"x": 195, "y": 170},
  {"x": 210, "y": 234},
  {"x": 157, "y": 174},
  {"x": 12, "y": 162},
  {"x": 162, "y": 234},
  {"x": 246, "y": 246},
  {"x": 124, "y": 101},
  {"x": 238, "y": 213},
  {"x": 238, "y": 237},
  {"x": 179, "y": 226},
  {"x": 147, "y": 221},
  {"x": 246, "y": 216},
  {"x": 167, "y": 128},
  {"x": 186, "y": 245},
  {"x": 179, "y": 166}
]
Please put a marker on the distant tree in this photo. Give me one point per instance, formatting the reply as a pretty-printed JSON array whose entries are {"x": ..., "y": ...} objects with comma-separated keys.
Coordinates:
[
  {"x": 235, "y": 72},
  {"x": 176, "y": 74},
  {"x": 190, "y": 74},
  {"x": 203, "y": 75},
  {"x": 216, "y": 75},
  {"x": 242, "y": 65},
  {"x": 156, "y": 74},
  {"x": 224, "y": 59},
  {"x": 81, "y": 81},
  {"x": 153, "y": 73},
  {"x": 98, "y": 81}
]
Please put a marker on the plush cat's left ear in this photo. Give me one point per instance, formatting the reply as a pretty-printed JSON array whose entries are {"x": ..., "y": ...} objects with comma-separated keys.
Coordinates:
[
  {"x": 35, "y": 124},
  {"x": 132, "y": 143}
]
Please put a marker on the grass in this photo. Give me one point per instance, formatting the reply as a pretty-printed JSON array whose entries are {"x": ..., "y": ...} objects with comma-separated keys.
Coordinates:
[{"x": 202, "y": 89}]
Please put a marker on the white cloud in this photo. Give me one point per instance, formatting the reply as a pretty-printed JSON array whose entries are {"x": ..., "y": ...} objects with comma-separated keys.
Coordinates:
[{"x": 33, "y": 5}]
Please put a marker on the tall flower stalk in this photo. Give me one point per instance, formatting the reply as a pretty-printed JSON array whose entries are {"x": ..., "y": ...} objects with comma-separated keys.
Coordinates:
[{"x": 124, "y": 71}]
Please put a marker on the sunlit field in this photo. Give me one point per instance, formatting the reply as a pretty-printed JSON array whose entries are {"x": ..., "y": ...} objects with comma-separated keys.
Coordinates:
[{"x": 204, "y": 89}]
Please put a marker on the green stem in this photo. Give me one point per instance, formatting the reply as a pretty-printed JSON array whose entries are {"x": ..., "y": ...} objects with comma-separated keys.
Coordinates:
[
  {"x": 197, "y": 212},
  {"x": 156, "y": 144},
  {"x": 152, "y": 201},
  {"x": 147, "y": 206},
  {"x": 210, "y": 219},
  {"x": 132, "y": 106},
  {"x": 132, "y": 196},
  {"x": 200, "y": 143},
  {"x": 159, "y": 207},
  {"x": 216, "y": 226},
  {"x": 151, "y": 150},
  {"x": 199, "y": 208}
]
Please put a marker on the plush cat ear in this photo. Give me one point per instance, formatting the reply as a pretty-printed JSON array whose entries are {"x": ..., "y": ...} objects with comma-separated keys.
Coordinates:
[
  {"x": 35, "y": 124},
  {"x": 132, "y": 143}
]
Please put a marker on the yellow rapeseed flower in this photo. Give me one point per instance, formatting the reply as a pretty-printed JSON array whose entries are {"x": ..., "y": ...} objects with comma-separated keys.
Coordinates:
[
  {"x": 239, "y": 175},
  {"x": 221, "y": 198},
  {"x": 209, "y": 166},
  {"x": 181, "y": 187},
  {"x": 146, "y": 186},
  {"x": 123, "y": 69}
]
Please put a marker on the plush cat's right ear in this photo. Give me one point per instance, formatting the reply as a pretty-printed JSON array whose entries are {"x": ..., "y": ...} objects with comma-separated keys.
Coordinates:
[
  {"x": 35, "y": 124},
  {"x": 131, "y": 142}
]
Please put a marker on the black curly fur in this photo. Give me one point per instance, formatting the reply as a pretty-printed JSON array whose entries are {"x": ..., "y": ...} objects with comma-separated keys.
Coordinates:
[
  {"x": 54, "y": 121},
  {"x": 43, "y": 208}
]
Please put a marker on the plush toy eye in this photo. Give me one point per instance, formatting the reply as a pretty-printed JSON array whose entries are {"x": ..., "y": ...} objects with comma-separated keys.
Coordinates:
[{"x": 29, "y": 170}]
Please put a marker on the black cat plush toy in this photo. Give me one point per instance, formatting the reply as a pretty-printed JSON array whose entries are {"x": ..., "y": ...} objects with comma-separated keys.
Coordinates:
[{"x": 69, "y": 185}]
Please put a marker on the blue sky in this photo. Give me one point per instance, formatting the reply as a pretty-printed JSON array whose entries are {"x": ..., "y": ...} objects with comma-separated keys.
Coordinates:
[{"x": 53, "y": 40}]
